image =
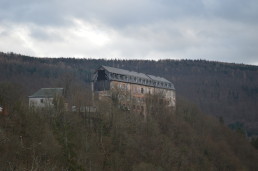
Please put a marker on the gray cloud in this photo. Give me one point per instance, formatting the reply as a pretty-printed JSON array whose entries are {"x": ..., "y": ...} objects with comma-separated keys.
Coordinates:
[
  {"x": 125, "y": 12},
  {"x": 207, "y": 29}
]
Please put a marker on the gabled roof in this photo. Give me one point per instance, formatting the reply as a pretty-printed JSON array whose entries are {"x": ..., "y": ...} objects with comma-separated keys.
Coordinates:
[
  {"x": 149, "y": 80},
  {"x": 159, "y": 79},
  {"x": 48, "y": 93},
  {"x": 125, "y": 72}
]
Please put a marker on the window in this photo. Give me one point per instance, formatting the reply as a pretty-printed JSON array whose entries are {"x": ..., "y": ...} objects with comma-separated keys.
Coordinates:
[
  {"x": 142, "y": 90},
  {"x": 123, "y": 86},
  {"x": 41, "y": 101}
]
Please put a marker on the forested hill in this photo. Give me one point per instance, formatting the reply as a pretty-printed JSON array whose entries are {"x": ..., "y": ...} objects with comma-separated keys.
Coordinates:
[{"x": 228, "y": 91}]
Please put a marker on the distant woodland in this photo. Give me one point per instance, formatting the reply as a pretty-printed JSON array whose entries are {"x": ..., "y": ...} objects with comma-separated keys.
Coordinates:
[
  {"x": 216, "y": 111},
  {"x": 224, "y": 90}
]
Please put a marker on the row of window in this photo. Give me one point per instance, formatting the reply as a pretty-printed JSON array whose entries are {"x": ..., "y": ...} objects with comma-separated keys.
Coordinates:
[
  {"x": 127, "y": 98},
  {"x": 139, "y": 80},
  {"x": 134, "y": 107},
  {"x": 136, "y": 89}
]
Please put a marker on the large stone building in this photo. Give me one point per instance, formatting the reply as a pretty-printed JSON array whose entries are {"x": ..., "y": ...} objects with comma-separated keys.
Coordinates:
[{"x": 131, "y": 88}]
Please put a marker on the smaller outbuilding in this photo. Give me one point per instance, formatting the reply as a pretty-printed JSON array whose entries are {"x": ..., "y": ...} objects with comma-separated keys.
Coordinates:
[
  {"x": 3, "y": 110},
  {"x": 45, "y": 97}
]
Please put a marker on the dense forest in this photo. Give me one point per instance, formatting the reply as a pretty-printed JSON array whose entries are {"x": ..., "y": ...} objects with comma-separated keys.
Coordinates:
[
  {"x": 227, "y": 91},
  {"x": 114, "y": 139}
]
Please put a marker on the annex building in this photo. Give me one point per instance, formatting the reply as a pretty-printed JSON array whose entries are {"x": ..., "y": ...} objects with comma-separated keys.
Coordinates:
[
  {"x": 131, "y": 88},
  {"x": 44, "y": 97}
]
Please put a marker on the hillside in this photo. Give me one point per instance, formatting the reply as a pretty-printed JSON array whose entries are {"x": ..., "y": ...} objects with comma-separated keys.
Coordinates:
[
  {"x": 112, "y": 139},
  {"x": 227, "y": 91}
]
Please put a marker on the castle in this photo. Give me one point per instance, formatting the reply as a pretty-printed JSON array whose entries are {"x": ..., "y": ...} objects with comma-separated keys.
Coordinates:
[{"x": 131, "y": 88}]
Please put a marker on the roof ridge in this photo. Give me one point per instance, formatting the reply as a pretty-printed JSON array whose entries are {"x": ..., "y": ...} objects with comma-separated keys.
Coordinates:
[
  {"x": 48, "y": 92},
  {"x": 148, "y": 75}
]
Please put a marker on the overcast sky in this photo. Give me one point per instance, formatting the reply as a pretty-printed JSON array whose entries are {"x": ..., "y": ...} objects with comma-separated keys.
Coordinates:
[{"x": 218, "y": 30}]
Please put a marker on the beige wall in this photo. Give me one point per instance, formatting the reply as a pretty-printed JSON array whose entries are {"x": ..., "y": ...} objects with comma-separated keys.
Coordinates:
[
  {"x": 135, "y": 91},
  {"x": 41, "y": 102}
]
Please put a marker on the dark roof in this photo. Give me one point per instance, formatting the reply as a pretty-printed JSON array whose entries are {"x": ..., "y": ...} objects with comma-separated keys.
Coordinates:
[
  {"x": 48, "y": 93},
  {"x": 125, "y": 72},
  {"x": 141, "y": 78}
]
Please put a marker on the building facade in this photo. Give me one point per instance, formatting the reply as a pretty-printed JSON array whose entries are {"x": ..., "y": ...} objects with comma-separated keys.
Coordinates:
[
  {"x": 44, "y": 97},
  {"x": 131, "y": 88}
]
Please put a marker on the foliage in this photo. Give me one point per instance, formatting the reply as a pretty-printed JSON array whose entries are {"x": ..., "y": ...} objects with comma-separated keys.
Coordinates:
[
  {"x": 224, "y": 90},
  {"x": 254, "y": 142},
  {"x": 114, "y": 139}
]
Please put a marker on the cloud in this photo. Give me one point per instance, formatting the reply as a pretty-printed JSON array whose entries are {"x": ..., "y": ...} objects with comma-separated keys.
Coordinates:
[{"x": 148, "y": 29}]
